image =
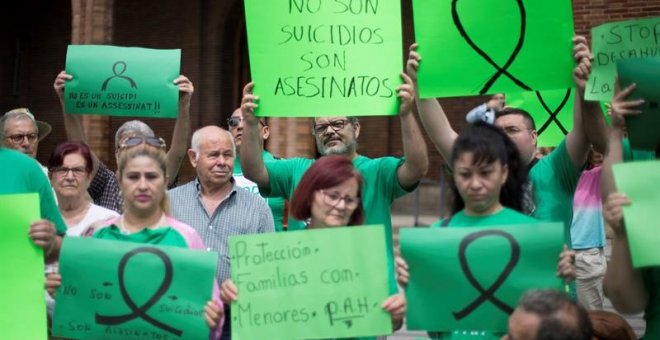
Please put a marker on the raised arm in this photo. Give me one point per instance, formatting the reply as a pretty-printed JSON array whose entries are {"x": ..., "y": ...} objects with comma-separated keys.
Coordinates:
[
  {"x": 416, "y": 161},
  {"x": 73, "y": 125},
  {"x": 614, "y": 152},
  {"x": 589, "y": 125},
  {"x": 181, "y": 134},
  {"x": 433, "y": 118},
  {"x": 252, "y": 163},
  {"x": 623, "y": 284}
]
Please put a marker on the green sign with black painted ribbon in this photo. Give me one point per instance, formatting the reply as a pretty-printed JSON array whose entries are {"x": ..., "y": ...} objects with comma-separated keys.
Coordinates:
[
  {"x": 312, "y": 284},
  {"x": 471, "y": 278},
  {"x": 122, "y": 81},
  {"x": 23, "y": 313},
  {"x": 125, "y": 290},
  {"x": 312, "y": 58},
  {"x": 552, "y": 111},
  {"x": 615, "y": 41},
  {"x": 471, "y": 47}
]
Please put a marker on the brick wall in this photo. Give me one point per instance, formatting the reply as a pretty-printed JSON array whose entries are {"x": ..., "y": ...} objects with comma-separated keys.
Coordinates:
[{"x": 211, "y": 35}]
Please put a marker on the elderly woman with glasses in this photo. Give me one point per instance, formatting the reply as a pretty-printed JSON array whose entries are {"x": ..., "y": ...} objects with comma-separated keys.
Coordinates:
[
  {"x": 329, "y": 195},
  {"x": 69, "y": 170},
  {"x": 142, "y": 177}
]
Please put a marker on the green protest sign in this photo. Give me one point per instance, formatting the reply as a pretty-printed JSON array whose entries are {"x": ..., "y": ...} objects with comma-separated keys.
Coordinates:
[
  {"x": 643, "y": 129},
  {"x": 315, "y": 58},
  {"x": 615, "y": 41},
  {"x": 633, "y": 179},
  {"x": 312, "y": 284},
  {"x": 474, "y": 47},
  {"x": 22, "y": 285},
  {"x": 552, "y": 111},
  {"x": 472, "y": 278},
  {"x": 126, "y": 290},
  {"x": 122, "y": 81}
]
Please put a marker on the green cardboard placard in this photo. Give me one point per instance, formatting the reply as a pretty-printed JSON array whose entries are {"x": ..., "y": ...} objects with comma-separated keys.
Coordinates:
[
  {"x": 450, "y": 266},
  {"x": 325, "y": 58},
  {"x": 312, "y": 284},
  {"x": 643, "y": 129},
  {"x": 125, "y": 290},
  {"x": 122, "y": 81},
  {"x": 552, "y": 111},
  {"x": 615, "y": 41},
  {"x": 633, "y": 179},
  {"x": 22, "y": 282},
  {"x": 472, "y": 47}
]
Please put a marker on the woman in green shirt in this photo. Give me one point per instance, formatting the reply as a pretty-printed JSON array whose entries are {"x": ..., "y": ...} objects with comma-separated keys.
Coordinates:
[
  {"x": 330, "y": 195},
  {"x": 488, "y": 180}
]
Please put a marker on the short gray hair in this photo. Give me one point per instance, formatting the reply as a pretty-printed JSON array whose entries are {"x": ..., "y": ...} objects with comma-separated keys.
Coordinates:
[
  {"x": 137, "y": 127},
  {"x": 21, "y": 113},
  {"x": 196, "y": 140}
]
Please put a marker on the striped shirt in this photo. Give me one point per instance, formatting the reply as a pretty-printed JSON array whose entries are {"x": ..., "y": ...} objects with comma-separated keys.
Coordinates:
[{"x": 240, "y": 213}]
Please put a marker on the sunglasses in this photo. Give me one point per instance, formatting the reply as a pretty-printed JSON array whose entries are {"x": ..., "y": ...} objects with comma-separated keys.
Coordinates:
[
  {"x": 135, "y": 141},
  {"x": 233, "y": 122}
]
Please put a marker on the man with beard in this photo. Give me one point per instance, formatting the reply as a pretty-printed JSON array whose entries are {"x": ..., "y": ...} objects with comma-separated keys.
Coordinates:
[{"x": 385, "y": 178}]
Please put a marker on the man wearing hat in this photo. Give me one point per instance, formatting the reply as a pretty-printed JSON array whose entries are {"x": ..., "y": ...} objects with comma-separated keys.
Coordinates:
[{"x": 21, "y": 132}]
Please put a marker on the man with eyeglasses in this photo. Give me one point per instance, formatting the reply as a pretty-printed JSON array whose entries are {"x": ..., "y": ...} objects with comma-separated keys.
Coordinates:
[
  {"x": 236, "y": 126},
  {"x": 21, "y": 132},
  {"x": 385, "y": 178},
  {"x": 104, "y": 188},
  {"x": 549, "y": 193}
]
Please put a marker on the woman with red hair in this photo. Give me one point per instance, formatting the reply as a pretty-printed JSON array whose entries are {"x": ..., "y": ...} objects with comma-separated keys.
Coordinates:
[{"x": 329, "y": 195}]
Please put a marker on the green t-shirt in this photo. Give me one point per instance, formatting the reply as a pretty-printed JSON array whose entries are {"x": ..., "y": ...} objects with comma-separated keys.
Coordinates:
[
  {"x": 651, "y": 277},
  {"x": 21, "y": 174},
  {"x": 506, "y": 216},
  {"x": 380, "y": 188},
  {"x": 276, "y": 204},
  {"x": 158, "y": 236},
  {"x": 630, "y": 154},
  {"x": 554, "y": 179}
]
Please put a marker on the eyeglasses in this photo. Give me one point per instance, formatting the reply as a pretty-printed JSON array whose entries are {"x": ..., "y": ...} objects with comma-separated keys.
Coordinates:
[
  {"x": 17, "y": 139},
  {"x": 136, "y": 140},
  {"x": 62, "y": 171},
  {"x": 333, "y": 198},
  {"x": 233, "y": 122},
  {"x": 335, "y": 125}
]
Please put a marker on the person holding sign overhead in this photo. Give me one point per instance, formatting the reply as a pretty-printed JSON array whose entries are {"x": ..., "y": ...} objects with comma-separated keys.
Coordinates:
[
  {"x": 552, "y": 179},
  {"x": 236, "y": 127},
  {"x": 631, "y": 290},
  {"x": 104, "y": 189},
  {"x": 329, "y": 195},
  {"x": 142, "y": 173},
  {"x": 488, "y": 179},
  {"x": 386, "y": 178}
]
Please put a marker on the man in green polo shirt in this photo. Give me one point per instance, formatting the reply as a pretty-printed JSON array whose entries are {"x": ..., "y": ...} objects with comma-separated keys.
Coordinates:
[
  {"x": 385, "y": 178},
  {"x": 236, "y": 127},
  {"x": 22, "y": 174}
]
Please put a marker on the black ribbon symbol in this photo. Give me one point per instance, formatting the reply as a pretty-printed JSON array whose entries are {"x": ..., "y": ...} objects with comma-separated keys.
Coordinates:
[
  {"x": 141, "y": 312},
  {"x": 487, "y": 294},
  {"x": 553, "y": 113},
  {"x": 119, "y": 74},
  {"x": 500, "y": 70}
]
